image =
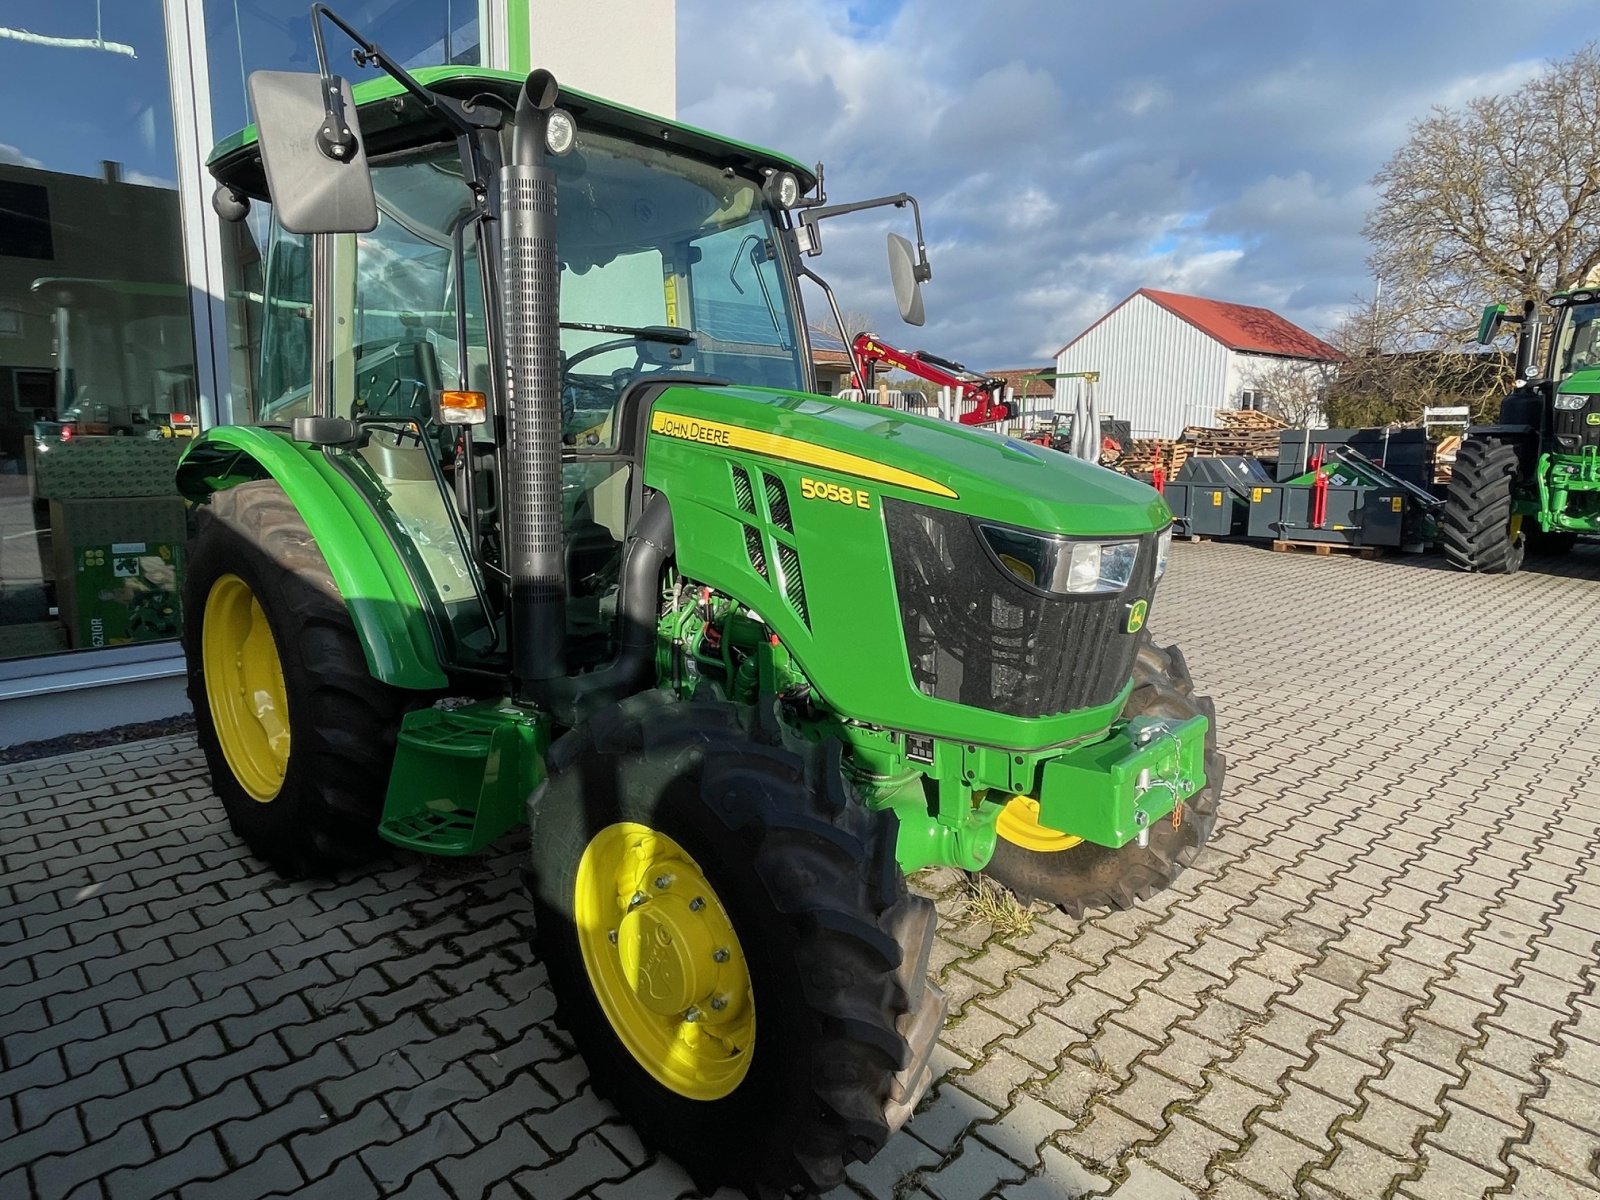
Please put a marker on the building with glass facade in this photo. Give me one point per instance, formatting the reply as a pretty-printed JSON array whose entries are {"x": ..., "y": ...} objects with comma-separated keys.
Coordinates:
[{"x": 125, "y": 302}]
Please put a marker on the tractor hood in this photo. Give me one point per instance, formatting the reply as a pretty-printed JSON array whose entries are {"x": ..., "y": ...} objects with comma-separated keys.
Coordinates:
[
  {"x": 930, "y": 461},
  {"x": 1583, "y": 382}
]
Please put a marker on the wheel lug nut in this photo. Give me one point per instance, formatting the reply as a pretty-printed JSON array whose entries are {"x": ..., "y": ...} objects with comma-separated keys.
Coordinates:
[
  {"x": 692, "y": 1015},
  {"x": 720, "y": 956},
  {"x": 663, "y": 882},
  {"x": 612, "y": 937},
  {"x": 696, "y": 904},
  {"x": 718, "y": 1003},
  {"x": 637, "y": 899}
]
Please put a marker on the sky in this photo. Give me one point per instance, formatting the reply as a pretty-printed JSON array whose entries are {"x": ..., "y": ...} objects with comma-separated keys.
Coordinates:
[{"x": 1065, "y": 154}]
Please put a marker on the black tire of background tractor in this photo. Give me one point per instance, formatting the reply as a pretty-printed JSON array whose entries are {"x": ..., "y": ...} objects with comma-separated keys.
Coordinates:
[
  {"x": 837, "y": 950},
  {"x": 342, "y": 722},
  {"x": 1475, "y": 529},
  {"x": 1554, "y": 542},
  {"x": 1088, "y": 876}
]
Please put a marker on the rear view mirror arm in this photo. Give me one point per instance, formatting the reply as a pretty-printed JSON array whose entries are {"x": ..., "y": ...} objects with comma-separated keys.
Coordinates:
[
  {"x": 838, "y": 317},
  {"x": 810, "y": 238},
  {"x": 463, "y": 119}
]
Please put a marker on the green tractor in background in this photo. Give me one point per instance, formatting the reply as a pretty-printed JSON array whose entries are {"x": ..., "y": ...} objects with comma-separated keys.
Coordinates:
[
  {"x": 1532, "y": 480},
  {"x": 537, "y": 518}
]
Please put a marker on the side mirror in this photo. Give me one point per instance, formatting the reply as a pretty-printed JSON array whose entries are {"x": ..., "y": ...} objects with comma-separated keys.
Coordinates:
[
  {"x": 1489, "y": 326},
  {"x": 907, "y": 287},
  {"x": 313, "y": 191}
]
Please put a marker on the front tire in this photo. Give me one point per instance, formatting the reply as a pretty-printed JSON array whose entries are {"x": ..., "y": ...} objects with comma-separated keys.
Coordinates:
[
  {"x": 1041, "y": 864},
  {"x": 1479, "y": 531},
  {"x": 731, "y": 945},
  {"x": 298, "y": 735}
]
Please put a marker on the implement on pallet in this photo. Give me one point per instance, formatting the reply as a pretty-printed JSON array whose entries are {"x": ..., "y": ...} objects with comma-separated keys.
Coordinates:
[
  {"x": 539, "y": 518},
  {"x": 1532, "y": 479}
]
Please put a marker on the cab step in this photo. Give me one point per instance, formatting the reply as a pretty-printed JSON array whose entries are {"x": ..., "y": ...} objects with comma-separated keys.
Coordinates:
[{"x": 462, "y": 775}]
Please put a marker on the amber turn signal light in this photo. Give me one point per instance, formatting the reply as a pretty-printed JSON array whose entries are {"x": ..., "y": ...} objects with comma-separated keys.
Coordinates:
[{"x": 463, "y": 408}]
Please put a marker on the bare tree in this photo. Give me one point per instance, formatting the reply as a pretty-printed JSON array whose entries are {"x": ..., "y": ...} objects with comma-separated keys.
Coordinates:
[
  {"x": 1495, "y": 201},
  {"x": 822, "y": 323},
  {"x": 1292, "y": 390},
  {"x": 1387, "y": 376}
]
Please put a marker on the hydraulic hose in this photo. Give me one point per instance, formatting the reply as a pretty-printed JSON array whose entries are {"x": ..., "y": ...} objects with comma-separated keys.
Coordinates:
[{"x": 650, "y": 545}]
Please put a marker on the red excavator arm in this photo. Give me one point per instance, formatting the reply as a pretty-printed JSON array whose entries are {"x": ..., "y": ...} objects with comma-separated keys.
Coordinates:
[{"x": 985, "y": 391}]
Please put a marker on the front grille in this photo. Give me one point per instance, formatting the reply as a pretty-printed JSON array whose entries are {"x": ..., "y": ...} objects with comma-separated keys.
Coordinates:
[{"x": 976, "y": 636}]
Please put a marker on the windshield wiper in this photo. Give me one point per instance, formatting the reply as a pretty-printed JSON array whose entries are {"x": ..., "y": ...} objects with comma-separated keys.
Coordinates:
[
  {"x": 756, "y": 259},
  {"x": 670, "y": 334}
]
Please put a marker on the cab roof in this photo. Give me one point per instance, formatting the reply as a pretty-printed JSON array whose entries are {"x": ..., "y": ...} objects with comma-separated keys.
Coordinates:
[{"x": 236, "y": 160}]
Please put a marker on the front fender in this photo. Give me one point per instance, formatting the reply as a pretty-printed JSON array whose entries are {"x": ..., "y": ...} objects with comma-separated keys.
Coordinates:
[{"x": 383, "y": 603}]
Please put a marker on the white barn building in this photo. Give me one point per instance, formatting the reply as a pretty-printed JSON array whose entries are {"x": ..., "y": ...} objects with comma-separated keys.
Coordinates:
[{"x": 1167, "y": 360}]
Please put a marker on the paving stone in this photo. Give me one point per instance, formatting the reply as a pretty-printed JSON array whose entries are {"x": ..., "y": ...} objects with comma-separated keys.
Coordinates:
[
  {"x": 976, "y": 1170},
  {"x": 37, "y": 1105},
  {"x": 520, "y": 1097},
  {"x": 326, "y": 1063},
  {"x": 472, "y": 1175},
  {"x": 1062, "y": 1177},
  {"x": 246, "y": 1138},
  {"x": 349, "y": 1181},
  {"x": 59, "y": 1175},
  {"x": 200, "y": 1159},
  {"x": 369, "y": 1127},
  {"x": 273, "y": 1172}
]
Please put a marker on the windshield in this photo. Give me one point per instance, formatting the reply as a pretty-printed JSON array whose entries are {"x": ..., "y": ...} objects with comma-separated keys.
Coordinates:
[
  {"x": 1578, "y": 342},
  {"x": 650, "y": 240},
  {"x": 667, "y": 265}
]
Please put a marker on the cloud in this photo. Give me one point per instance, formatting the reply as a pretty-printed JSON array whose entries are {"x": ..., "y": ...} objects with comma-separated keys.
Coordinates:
[
  {"x": 1223, "y": 149},
  {"x": 13, "y": 157}
]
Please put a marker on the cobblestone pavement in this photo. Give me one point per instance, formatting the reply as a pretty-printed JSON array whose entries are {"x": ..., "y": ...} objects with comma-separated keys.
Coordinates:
[{"x": 1379, "y": 980}]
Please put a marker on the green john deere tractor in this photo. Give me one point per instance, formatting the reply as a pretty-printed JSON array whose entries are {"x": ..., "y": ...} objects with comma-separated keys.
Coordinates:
[
  {"x": 537, "y": 517},
  {"x": 1532, "y": 480}
]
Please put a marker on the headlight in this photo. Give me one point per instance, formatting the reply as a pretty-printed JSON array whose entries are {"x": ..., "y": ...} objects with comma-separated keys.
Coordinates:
[
  {"x": 1163, "y": 551},
  {"x": 560, "y": 131},
  {"x": 1571, "y": 400},
  {"x": 782, "y": 188},
  {"x": 1062, "y": 565}
]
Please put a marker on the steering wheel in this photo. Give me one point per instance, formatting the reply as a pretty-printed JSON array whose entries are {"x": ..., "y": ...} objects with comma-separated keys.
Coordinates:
[{"x": 599, "y": 348}]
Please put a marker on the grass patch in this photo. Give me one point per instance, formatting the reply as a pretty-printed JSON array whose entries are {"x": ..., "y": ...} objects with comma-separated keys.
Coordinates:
[{"x": 986, "y": 900}]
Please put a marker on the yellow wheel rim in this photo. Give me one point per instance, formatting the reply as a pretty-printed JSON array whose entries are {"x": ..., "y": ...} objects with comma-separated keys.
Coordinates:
[
  {"x": 664, "y": 962},
  {"x": 244, "y": 686},
  {"x": 1018, "y": 824},
  {"x": 1516, "y": 525}
]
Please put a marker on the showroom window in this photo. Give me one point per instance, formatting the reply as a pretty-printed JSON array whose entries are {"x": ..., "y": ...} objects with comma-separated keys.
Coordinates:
[
  {"x": 97, "y": 355},
  {"x": 276, "y": 35}
]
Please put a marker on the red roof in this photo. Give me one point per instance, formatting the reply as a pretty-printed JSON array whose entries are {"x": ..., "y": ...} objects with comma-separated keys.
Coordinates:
[
  {"x": 1025, "y": 381},
  {"x": 1237, "y": 326}
]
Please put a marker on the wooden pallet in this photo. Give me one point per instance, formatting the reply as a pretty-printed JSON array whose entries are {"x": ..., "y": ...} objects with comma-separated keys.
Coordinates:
[
  {"x": 1326, "y": 548},
  {"x": 1250, "y": 443},
  {"x": 1249, "y": 419}
]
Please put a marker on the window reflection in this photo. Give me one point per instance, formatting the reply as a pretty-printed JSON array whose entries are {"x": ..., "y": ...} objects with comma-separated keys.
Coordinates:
[
  {"x": 275, "y": 35},
  {"x": 97, "y": 369}
]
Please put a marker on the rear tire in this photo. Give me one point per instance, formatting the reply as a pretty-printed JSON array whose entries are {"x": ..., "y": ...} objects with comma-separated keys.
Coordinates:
[
  {"x": 830, "y": 950},
  {"x": 1082, "y": 876},
  {"x": 1478, "y": 530},
  {"x": 303, "y": 766}
]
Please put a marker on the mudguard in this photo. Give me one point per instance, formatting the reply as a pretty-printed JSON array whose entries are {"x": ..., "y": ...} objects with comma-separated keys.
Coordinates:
[{"x": 389, "y": 617}]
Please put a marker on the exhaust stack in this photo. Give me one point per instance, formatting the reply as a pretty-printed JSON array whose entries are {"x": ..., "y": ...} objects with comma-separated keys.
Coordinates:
[{"x": 530, "y": 280}]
